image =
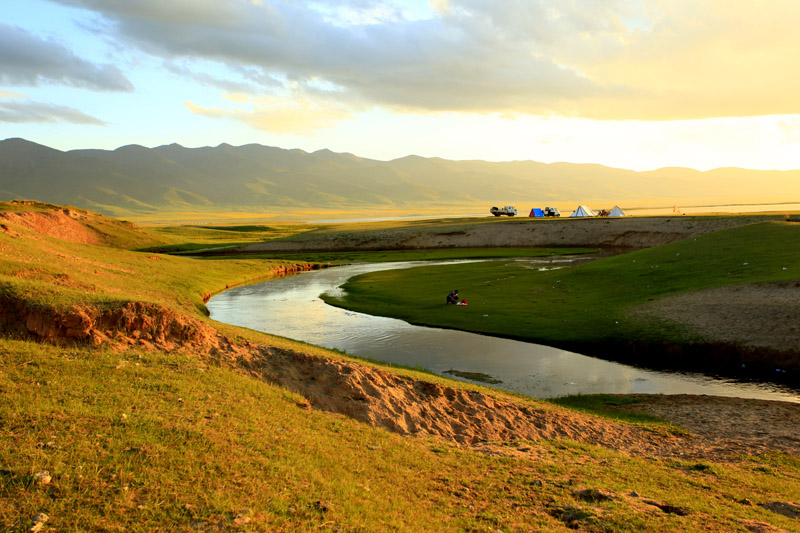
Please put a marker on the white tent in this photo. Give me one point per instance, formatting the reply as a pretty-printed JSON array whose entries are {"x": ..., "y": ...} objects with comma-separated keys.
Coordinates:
[
  {"x": 583, "y": 211},
  {"x": 617, "y": 212}
]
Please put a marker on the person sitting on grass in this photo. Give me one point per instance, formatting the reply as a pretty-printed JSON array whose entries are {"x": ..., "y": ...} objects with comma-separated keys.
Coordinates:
[{"x": 452, "y": 298}]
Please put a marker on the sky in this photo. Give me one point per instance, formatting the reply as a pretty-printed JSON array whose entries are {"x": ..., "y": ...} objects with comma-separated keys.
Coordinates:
[{"x": 637, "y": 84}]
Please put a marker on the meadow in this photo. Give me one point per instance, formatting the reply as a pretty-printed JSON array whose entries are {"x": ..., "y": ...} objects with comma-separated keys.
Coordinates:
[
  {"x": 147, "y": 441},
  {"x": 135, "y": 436}
]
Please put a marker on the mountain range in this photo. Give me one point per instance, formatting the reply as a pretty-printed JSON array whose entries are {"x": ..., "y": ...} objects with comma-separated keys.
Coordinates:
[{"x": 255, "y": 178}]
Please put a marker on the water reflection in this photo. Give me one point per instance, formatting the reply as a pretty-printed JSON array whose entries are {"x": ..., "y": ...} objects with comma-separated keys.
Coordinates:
[{"x": 291, "y": 307}]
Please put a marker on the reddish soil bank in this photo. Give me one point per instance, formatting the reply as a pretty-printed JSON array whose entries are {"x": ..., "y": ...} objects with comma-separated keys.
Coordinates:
[{"x": 63, "y": 224}]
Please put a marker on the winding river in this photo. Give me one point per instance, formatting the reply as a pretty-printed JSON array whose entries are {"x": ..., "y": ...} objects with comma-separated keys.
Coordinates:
[{"x": 291, "y": 307}]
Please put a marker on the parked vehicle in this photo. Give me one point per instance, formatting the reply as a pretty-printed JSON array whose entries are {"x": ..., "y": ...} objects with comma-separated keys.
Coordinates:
[
  {"x": 552, "y": 212},
  {"x": 509, "y": 210}
]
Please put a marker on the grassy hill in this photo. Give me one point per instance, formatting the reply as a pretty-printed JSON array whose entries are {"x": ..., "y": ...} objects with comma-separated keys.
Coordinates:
[{"x": 162, "y": 420}]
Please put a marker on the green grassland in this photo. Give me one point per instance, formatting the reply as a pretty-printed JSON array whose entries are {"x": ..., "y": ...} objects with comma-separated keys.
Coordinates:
[
  {"x": 585, "y": 307},
  {"x": 145, "y": 440},
  {"x": 51, "y": 272},
  {"x": 215, "y": 239},
  {"x": 194, "y": 239}
]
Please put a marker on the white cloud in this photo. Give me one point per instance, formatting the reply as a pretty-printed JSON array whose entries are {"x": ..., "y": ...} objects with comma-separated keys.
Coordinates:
[
  {"x": 298, "y": 116},
  {"x": 790, "y": 130},
  {"x": 17, "y": 112},
  {"x": 445, "y": 62},
  {"x": 611, "y": 59},
  {"x": 26, "y": 59}
]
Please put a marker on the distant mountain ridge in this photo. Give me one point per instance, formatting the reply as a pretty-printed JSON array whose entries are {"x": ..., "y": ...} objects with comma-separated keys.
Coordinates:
[{"x": 259, "y": 178}]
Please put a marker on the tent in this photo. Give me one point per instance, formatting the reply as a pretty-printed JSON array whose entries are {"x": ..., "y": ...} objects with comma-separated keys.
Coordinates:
[
  {"x": 583, "y": 211},
  {"x": 536, "y": 212},
  {"x": 617, "y": 212}
]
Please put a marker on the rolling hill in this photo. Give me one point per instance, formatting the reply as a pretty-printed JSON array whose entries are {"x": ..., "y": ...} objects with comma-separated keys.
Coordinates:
[{"x": 137, "y": 180}]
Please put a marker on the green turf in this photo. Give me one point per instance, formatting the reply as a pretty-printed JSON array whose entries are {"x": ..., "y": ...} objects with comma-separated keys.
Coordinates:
[{"x": 194, "y": 239}]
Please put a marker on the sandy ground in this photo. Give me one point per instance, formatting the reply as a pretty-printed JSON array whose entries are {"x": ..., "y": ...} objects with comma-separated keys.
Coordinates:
[
  {"x": 64, "y": 224},
  {"x": 756, "y": 316},
  {"x": 730, "y": 426}
]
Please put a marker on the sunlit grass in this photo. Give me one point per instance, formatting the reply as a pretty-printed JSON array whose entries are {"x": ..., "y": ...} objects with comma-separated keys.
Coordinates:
[{"x": 148, "y": 441}]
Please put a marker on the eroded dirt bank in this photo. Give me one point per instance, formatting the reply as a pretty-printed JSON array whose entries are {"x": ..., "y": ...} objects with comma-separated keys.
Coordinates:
[
  {"x": 630, "y": 232},
  {"x": 487, "y": 422}
]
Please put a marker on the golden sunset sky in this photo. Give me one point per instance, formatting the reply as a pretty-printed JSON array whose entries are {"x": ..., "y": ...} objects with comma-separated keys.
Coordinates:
[{"x": 632, "y": 84}]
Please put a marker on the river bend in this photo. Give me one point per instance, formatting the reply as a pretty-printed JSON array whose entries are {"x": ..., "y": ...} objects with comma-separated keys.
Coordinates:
[{"x": 291, "y": 307}]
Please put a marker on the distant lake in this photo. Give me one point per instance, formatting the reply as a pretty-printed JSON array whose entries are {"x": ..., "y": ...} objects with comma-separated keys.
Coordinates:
[
  {"x": 291, "y": 307},
  {"x": 707, "y": 209}
]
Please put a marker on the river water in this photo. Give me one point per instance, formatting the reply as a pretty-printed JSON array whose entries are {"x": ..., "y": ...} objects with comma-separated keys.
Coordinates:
[{"x": 291, "y": 307}]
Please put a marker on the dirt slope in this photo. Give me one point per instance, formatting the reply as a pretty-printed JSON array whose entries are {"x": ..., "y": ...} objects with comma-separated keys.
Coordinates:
[{"x": 64, "y": 224}]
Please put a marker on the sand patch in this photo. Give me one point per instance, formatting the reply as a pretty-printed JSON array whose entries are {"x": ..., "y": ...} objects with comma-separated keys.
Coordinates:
[
  {"x": 729, "y": 426},
  {"x": 415, "y": 407},
  {"x": 754, "y": 316}
]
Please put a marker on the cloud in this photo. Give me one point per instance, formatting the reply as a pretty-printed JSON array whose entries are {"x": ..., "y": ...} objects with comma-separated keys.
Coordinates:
[
  {"x": 210, "y": 80},
  {"x": 790, "y": 130},
  {"x": 26, "y": 111},
  {"x": 26, "y": 59},
  {"x": 615, "y": 59},
  {"x": 297, "y": 116}
]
